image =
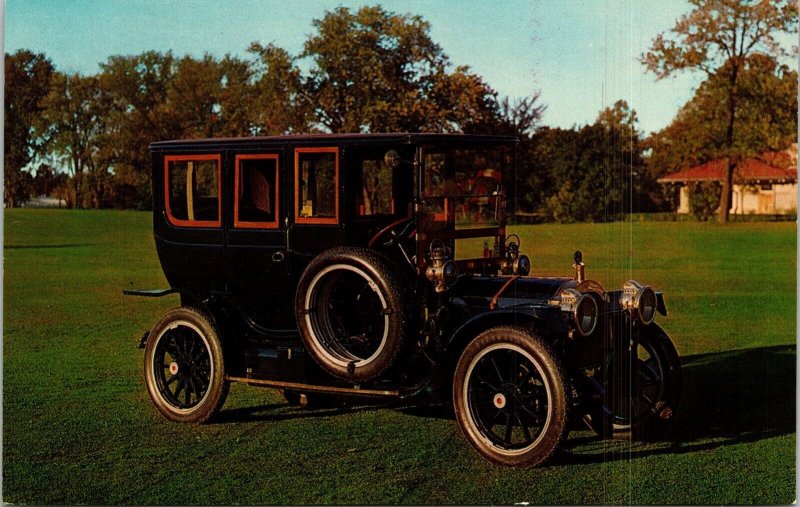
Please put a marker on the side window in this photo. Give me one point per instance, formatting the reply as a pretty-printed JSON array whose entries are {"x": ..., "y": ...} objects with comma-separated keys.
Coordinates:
[
  {"x": 375, "y": 197},
  {"x": 316, "y": 178},
  {"x": 256, "y": 201},
  {"x": 192, "y": 190},
  {"x": 436, "y": 185}
]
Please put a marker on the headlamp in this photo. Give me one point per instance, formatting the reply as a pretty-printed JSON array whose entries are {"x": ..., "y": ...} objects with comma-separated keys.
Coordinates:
[
  {"x": 639, "y": 300},
  {"x": 581, "y": 310}
]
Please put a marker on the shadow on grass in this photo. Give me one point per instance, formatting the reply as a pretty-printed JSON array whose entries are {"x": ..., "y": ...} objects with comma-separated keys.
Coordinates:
[
  {"x": 284, "y": 412},
  {"x": 729, "y": 398}
]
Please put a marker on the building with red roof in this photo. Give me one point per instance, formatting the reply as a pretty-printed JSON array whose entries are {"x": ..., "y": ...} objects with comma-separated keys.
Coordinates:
[{"x": 766, "y": 184}]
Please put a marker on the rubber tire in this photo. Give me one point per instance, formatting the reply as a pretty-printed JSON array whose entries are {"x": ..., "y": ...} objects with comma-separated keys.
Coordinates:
[
  {"x": 662, "y": 414},
  {"x": 553, "y": 371},
  {"x": 662, "y": 417},
  {"x": 394, "y": 288},
  {"x": 218, "y": 386}
]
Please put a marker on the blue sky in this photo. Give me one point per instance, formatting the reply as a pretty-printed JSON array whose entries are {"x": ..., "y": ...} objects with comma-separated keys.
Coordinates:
[{"x": 581, "y": 54}]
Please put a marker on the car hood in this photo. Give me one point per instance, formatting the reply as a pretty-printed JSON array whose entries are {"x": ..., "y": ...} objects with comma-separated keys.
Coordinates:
[{"x": 507, "y": 291}]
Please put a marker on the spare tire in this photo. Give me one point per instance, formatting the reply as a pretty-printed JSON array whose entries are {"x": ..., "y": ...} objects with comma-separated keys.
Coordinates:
[{"x": 352, "y": 309}]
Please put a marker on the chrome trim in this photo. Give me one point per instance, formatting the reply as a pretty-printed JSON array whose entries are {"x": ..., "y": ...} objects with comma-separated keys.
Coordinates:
[
  {"x": 571, "y": 302},
  {"x": 634, "y": 295}
]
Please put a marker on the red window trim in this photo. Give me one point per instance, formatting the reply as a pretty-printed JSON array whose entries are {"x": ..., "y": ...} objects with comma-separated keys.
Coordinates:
[
  {"x": 193, "y": 223},
  {"x": 256, "y": 225},
  {"x": 315, "y": 220}
]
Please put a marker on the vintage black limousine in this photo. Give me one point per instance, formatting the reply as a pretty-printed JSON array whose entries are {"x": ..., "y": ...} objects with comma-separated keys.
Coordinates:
[{"x": 379, "y": 265}]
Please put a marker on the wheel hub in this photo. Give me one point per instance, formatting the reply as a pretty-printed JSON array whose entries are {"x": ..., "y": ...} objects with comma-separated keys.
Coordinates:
[{"x": 499, "y": 400}]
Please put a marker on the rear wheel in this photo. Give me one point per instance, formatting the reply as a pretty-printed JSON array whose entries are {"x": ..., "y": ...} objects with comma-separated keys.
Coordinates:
[
  {"x": 510, "y": 397},
  {"x": 184, "y": 367}
]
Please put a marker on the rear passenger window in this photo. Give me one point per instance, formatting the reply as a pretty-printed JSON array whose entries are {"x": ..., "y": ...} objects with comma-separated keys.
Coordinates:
[
  {"x": 192, "y": 190},
  {"x": 256, "y": 191}
]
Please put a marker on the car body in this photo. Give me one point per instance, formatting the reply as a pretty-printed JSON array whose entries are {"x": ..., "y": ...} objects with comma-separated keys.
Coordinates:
[{"x": 351, "y": 264}]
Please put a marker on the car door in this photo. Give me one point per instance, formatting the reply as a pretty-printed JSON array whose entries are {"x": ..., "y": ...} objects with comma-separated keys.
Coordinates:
[
  {"x": 257, "y": 261},
  {"x": 187, "y": 220},
  {"x": 316, "y": 208}
]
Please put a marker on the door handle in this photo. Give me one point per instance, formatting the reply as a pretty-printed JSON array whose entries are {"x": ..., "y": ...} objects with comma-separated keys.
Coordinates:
[
  {"x": 288, "y": 228},
  {"x": 278, "y": 256}
]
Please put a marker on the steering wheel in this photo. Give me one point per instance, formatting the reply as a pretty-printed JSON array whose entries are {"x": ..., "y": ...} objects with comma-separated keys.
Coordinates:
[
  {"x": 397, "y": 232},
  {"x": 394, "y": 235}
]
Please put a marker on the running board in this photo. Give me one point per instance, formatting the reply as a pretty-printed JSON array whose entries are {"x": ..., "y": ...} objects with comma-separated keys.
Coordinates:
[{"x": 313, "y": 388}]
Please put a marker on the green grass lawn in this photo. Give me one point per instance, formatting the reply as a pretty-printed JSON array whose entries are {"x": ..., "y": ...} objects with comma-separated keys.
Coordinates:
[{"x": 78, "y": 426}]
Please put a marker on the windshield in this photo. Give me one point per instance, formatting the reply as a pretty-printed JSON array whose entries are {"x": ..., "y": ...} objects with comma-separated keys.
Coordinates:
[{"x": 464, "y": 186}]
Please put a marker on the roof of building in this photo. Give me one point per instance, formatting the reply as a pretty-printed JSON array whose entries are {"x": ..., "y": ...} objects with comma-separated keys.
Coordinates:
[{"x": 751, "y": 170}]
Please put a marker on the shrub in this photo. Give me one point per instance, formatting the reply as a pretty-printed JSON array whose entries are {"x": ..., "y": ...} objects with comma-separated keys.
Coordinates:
[{"x": 704, "y": 198}]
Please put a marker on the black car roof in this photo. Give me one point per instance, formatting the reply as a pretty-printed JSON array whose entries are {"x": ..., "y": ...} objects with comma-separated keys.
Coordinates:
[{"x": 320, "y": 139}]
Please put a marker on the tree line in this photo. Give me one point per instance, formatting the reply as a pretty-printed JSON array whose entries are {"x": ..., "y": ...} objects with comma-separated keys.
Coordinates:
[{"x": 86, "y": 138}]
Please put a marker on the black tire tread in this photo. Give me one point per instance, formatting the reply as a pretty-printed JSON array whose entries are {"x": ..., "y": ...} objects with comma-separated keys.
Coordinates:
[
  {"x": 206, "y": 414},
  {"x": 652, "y": 425},
  {"x": 399, "y": 291},
  {"x": 552, "y": 362}
]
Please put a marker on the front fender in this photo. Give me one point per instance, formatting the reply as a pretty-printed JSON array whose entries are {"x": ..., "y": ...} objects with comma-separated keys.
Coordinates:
[
  {"x": 543, "y": 319},
  {"x": 530, "y": 317}
]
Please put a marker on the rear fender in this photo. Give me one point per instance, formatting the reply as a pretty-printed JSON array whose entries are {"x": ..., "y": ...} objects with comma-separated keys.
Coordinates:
[{"x": 226, "y": 318}]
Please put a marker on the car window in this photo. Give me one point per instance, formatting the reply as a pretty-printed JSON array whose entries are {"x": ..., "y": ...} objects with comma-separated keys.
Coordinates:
[
  {"x": 375, "y": 197},
  {"x": 193, "y": 190},
  {"x": 464, "y": 185},
  {"x": 257, "y": 191},
  {"x": 316, "y": 185}
]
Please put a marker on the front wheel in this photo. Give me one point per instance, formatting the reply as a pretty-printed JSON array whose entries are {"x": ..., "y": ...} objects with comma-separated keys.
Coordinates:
[
  {"x": 184, "y": 367},
  {"x": 510, "y": 397},
  {"x": 640, "y": 387}
]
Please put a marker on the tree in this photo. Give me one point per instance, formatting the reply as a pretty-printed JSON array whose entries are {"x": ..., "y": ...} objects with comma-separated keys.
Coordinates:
[
  {"x": 44, "y": 180},
  {"x": 371, "y": 70},
  {"x": 27, "y": 83},
  {"x": 704, "y": 199},
  {"x": 49, "y": 182},
  {"x": 591, "y": 173},
  {"x": 192, "y": 97},
  {"x": 765, "y": 120},
  {"x": 462, "y": 102},
  {"x": 717, "y": 37},
  {"x": 137, "y": 87},
  {"x": 376, "y": 71},
  {"x": 543, "y": 165},
  {"x": 521, "y": 119},
  {"x": 282, "y": 105},
  {"x": 76, "y": 115},
  {"x": 210, "y": 98},
  {"x": 237, "y": 99}
]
